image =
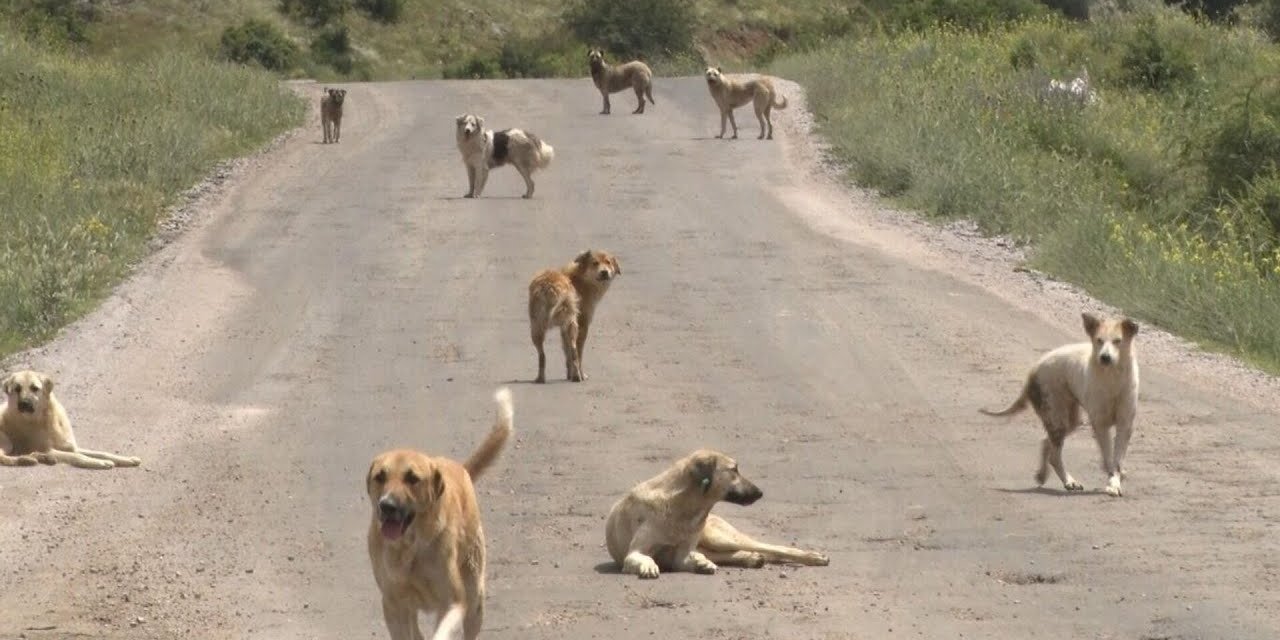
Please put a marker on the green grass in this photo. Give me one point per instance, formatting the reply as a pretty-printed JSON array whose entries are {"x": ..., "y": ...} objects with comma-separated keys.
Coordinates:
[
  {"x": 1123, "y": 197},
  {"x": 91, "y": 153}
]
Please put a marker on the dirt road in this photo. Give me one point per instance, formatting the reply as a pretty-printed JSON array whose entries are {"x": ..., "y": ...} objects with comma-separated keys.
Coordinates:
[{"x": 337, "y": 300}]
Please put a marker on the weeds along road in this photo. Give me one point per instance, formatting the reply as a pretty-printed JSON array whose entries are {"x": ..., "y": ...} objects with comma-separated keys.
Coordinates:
[{"x": 342, "y": 299}]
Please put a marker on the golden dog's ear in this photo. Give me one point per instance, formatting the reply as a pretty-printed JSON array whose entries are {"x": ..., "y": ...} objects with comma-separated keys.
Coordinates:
[
  {"x": 437, "y": 484},
  {"x": 1129, "y": 327},
  {"x": 1091, "y": 323},
  {"x": 720, "y": 69},
  {"x": 47, "y": 383},
  {"x": 617, "y": 266},
  {"x": 703, "y": 471},
  {"x": 7, "y": 384},
  {"x": 583, "y": 258}
]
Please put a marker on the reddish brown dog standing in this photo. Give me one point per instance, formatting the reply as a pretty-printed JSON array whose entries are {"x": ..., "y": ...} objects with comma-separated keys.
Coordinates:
[{"x": 567, "y": 298}]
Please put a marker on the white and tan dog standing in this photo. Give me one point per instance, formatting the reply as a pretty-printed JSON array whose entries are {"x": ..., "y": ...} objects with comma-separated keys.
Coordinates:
[
  {"x": 1100, "y": 376},
  {"x": 34, "y": 428},
  {"x": 484, "y": 149},
  {"x": 426, "y": 543},
  {"x": 730, "y": 94},
  {"x": 608, "y": 79},
  {"x": 665, "y": 523}
]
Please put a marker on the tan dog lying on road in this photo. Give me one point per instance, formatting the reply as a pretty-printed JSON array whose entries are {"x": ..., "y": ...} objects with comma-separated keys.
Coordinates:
[
  {"x": 425, "y": 539},
  {"x": 331, "y": 113},
  {"x": 665, "y": 522},
  {"x": 609, "y": 79},
  {"x": 567, "y": 298},
  {"x": 730, "y": 94},
  {"x": 1102, "y": 377},
  {"x": 34, "y": 428}
]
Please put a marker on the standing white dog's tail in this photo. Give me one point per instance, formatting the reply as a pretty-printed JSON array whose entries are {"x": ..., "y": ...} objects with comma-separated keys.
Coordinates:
[{"x": 546, "y": 153}]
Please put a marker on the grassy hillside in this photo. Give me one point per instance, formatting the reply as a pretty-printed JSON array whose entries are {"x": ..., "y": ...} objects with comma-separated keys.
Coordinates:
[
  {"x": 1162, "y": 198},
  {"x": 92, "y": 151}
]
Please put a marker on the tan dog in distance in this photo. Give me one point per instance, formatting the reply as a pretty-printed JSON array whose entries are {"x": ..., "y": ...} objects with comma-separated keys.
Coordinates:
[
  {"x": 485, "y": 149},
  {"x": 1102, "y": 377},
  {"x": 665, "y": 522},
  {"x": 609, "y": 79},
  {"x": 426, "y": 543},
  {"x": 730, "y": 94},
  {"x": 567, "y": 298},
  {"x": 34, "y": 428},
  {"x": 331, "y": 113}
]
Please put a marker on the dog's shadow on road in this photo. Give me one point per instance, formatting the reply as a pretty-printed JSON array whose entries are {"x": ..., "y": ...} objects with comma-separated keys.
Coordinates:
[
  {"x": 485, "y": 198},
  {"x": 531, "y": 381},
  {"x": 1046, "y": 491},
  {"x": 609, "y": 568}
]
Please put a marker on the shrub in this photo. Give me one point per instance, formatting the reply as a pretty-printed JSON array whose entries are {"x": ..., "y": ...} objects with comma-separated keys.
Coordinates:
[
  {"x": 332, "y": 47},
  {"x": 1156, "y": 62},
  {"x": 56, "y": 20},
  {"x": 257, "y": 41},
  {"x": 1024, "y": 55},
  {"x": 966, "y": 14},
  {"x": 473, "y": 68},
  {"x": 1246, "y": 144},
  {"x": 650, "y": 28},
  {"x": 316, "y": 12},
  {"x": 385, "y": 11}
]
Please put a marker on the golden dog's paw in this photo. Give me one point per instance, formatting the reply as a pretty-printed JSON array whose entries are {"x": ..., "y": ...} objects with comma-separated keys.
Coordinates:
[
  {"x": 648, "y": 570},
  {"x": 25, "y": 461},
  {"x": 45, "y": 458},
  {"x": 131, "y": 462}
]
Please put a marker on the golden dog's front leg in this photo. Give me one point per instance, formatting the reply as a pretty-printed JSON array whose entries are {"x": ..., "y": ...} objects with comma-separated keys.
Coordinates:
[
  {"x": 695, "y": 562},
  {"x": 402, "y": 622},
  {"x": 640, "y": 565},
  {"x": 449, "y": 623}
]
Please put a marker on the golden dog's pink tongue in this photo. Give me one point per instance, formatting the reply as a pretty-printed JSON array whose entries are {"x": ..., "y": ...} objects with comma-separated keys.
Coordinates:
[{"x": 392, "y": 530}]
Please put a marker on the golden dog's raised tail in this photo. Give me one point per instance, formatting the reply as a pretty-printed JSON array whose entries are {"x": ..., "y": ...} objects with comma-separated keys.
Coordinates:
[
  {"x": 1018, "y": 405},
  {"x": 781, "y": 105},
  {"x": 484, "y": 457}
]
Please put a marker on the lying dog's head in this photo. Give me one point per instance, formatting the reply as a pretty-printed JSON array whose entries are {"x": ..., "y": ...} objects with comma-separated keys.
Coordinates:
[
  {"x": 403, "y": 486},
  {"x": 28, "y": 391},
  {"x": 597, "y": 265},
  {"x": 715, "y": 76},
  {"x": 469, "y": 125},
  {"x": 336, "y": 96},
  {"x": 1112, "y": 339},
  {"x": 716, "y": 476}
]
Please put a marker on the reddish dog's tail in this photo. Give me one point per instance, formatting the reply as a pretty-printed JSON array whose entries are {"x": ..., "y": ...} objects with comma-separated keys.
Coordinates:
[
  {"x": 1018, "y": 405},
  {"x": 485, "y": 456}
]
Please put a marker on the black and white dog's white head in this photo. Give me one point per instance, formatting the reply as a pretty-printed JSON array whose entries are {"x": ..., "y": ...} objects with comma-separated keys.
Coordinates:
[{"x": 469, "y": 126}]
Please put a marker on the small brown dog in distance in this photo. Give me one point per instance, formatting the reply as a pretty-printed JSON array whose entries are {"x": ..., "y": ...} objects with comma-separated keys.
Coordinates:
[
  {"x": 1102, "y": 377},
  {"x": 34, "y": 428},
  {"x": 567, "y": 298},
  {"x": 331, "y": 113},
  {"x": 426, "y": 543},
  {"x": 665, "y": 522}
]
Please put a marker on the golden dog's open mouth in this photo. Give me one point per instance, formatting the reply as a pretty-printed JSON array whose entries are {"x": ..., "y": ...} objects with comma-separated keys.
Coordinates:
[{"x": 395, "y": 523}]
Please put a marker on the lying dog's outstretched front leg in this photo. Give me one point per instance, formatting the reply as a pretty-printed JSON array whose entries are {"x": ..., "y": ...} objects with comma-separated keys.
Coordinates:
[
  {"x": 79, "y": 460},
  {"x": 641, "y": 565},
  {"x": 695, "y": 562},
  {"x": 120, "y": 461}
]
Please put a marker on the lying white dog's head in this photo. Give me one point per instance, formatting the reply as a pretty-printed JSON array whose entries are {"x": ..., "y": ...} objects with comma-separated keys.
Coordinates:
[{"x": 469, "y": 126}]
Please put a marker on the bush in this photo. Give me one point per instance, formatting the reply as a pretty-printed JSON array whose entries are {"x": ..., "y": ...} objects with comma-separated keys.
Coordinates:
[
  {"x": 1024, "y": 55},
  {"x": 316, "y": 12},
  {"x": 1153, "y": 61},
  {"x": 332, "y": 47},
  {"x": 966, "y": 14},
  {"x": 1246, "y": 144},
  {"x": 652, "y": 28},
  {"x": 257, "y": 41},
  {"x": 385, "y": 11},
  {"x": 56, "y": 20},
  {"x": 473, "y": 68}
]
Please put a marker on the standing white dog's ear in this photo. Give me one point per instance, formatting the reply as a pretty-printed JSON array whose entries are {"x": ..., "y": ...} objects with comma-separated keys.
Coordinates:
[{"x": 1091, "y": 323}]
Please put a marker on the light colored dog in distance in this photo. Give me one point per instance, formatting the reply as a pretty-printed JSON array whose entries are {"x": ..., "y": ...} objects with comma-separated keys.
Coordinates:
[
  {"x": 665, "y": 523},
  {"x": 484, "y": 149},
  {"x": 1100, "y": 376},
  {"x": 331, "y": 113},
  {"x": 567, "y": 298},
  {"x": 730, "y": 94},
  {"x": 426, "y": 543},
  {"x": 608, "y": 79},
  {"x": 34, "y": 428}
]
